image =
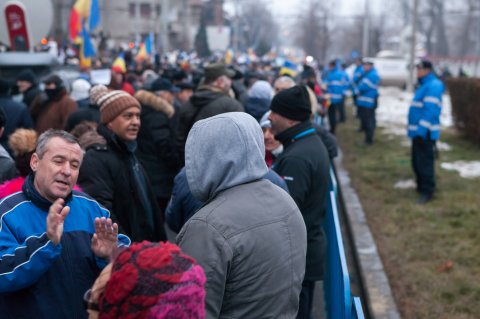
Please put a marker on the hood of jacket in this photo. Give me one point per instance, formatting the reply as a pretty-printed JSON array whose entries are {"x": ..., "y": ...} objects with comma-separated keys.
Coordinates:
[
  {"x": 224, "y": 151},
  {"x": 158, "y": 103},
  {"x": 205, "y": 95}
]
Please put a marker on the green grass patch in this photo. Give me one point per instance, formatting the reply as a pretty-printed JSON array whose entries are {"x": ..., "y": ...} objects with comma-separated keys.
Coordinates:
[{"x": 431, "y": 252}]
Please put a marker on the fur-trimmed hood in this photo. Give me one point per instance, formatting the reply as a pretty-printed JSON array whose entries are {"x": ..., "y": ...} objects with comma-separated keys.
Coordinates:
[
  {"x": 22, "y": 141},
  {"x": 158, "y": 103}
]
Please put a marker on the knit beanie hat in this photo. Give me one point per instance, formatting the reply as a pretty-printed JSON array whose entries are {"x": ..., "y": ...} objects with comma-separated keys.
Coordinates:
[
  {"x": 264, "y": 121},
  {"x": 54, "y": 79},
  {"x": 26, "y": 75},
  {"x": 154, "y": 280},
  {"x": 96, "y": 92},
  {"x": 80, "y": 88},
  {"x": 292, "y": 103},
  {"x": 113, "y": 103},
  {"x": 261, "y": 90}
]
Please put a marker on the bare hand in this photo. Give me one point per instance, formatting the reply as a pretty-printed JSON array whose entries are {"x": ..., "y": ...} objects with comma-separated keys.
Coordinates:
[
  {"x": 55, "y": 218},
  {"x": 105, "y": 238}
]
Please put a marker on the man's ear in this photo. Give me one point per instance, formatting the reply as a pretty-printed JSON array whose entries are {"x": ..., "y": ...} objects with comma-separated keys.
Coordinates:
[
  {"x": 34, "y": 162},
  {"x": 2, "y": 129}
]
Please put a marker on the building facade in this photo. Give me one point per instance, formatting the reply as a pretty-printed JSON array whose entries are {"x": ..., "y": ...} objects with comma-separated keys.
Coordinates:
[{"x": 174, "y": 23}]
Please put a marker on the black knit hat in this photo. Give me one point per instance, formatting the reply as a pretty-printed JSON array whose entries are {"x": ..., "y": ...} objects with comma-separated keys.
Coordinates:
[
  {"x": 26, "y": 75},
  {"x": 54, "y": 79},
  {"x": 292, "y": 103},
  {"x": 425, "y": 64}
]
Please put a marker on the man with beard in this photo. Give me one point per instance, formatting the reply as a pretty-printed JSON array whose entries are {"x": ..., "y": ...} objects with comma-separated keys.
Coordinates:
[
  {"x": 52, "y": 108},
  {"x": 211, "y": 98},
  {"x": 112, "y": 174}
]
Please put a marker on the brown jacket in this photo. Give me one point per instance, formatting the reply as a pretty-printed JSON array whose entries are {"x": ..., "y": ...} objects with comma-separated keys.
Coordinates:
[{"x": 54, "y": 113}]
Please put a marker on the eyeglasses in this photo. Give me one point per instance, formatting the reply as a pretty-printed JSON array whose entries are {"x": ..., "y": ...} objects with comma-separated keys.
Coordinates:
[{"x": 87, "y": 303}]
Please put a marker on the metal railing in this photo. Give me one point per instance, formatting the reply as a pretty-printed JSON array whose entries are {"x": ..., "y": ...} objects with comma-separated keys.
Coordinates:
[{"x": 340, "y": 304}]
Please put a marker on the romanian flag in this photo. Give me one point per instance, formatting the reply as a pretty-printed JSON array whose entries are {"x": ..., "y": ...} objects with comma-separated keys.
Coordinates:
[
  {"x": 119, "y": 64},
  {"x": 142, "y": 53},
  {"x": 84, "y": 10}
]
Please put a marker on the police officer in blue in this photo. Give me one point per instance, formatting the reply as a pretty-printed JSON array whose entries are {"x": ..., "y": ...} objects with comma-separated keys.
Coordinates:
[
  {"x": 337, "y": 84},
  {"x": 367, "y": 97},
  {"x": 424, "y": 128}
]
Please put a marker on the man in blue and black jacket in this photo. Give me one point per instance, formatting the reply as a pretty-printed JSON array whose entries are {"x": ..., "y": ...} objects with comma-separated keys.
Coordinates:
[
  {"x": 424, "y": 128},
  {"x": 337, "y": 84},
  {"x": 53, "y": 241},
  {"x": 367, "y": 97}
]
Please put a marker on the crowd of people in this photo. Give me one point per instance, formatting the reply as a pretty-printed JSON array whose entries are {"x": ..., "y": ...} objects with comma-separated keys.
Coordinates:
[{"x": 237, "y": 163}]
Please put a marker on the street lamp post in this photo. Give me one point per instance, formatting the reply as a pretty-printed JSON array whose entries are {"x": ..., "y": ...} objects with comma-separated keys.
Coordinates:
[
  {"x": 411, "y": 64},
  {"x": 366, "y": 22}
]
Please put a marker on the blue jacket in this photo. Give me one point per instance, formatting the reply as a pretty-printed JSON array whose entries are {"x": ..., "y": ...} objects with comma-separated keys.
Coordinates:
[
  {"x": 337, "y": 83},
  {"x": 357, "y": 73},
  {"x": 183, "y": 204},
  {"x": 424, "y": 112},
  {"x": 37, "y": 278},
  {"x": 367, "y": 89},
  {"x": 256, "y": 107}
]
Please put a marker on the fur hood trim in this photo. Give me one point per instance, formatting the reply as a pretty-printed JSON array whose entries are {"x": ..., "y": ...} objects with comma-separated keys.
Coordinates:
[
  {"x": 158, "y": 103},
  {"x": 22, "y": 141}
]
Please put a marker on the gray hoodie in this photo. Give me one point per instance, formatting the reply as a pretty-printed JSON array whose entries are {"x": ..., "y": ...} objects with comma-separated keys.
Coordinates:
[
  {"x": 224, "y": 151},
  {"x": 249, "y": 236}
]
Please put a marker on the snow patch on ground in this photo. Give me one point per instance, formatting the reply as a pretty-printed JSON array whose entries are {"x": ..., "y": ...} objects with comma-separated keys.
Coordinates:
[
  {"x": 405, "y": 184},
  {"x": 443, "y": 146},
  {"x": 466, "y": 169}
]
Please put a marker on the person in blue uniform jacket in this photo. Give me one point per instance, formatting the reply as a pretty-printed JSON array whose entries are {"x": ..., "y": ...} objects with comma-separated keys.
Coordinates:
[
  {"x": 367, "y": 97},
  {"x": 424, "y": 128}
]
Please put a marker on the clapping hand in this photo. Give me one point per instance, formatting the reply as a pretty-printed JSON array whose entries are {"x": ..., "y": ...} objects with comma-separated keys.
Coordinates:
[
  {"x": 55, "y": 218},
  {"x": 105, "y": 238}
]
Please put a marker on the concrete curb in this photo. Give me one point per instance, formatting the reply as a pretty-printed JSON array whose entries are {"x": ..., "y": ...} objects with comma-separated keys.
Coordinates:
[{"x": 380, "y": 298}]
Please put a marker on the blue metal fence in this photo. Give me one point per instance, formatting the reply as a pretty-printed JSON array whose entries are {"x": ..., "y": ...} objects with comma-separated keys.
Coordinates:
[
  {"x": 338, "y": 298},
  {"x": 357, "y": 311}
]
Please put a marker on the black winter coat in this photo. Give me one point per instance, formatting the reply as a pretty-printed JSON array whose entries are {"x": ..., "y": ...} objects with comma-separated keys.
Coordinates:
[
  {"x": 157, "y": 150},
  {"x": 207, "y": 101},
  {"x": 107, "y": 175},
  {"x": 30, "y": 95},
  {"x": 304, "y": 165}
]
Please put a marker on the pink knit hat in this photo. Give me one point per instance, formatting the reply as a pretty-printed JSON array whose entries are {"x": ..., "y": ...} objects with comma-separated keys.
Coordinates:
[{"x": 155, "y": 281}]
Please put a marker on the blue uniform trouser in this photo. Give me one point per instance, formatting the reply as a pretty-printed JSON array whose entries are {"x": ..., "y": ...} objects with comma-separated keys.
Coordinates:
[
  {"x": 423, "y": 163},
  {"x": 341, "y": 111},
  {"x": 332, "y": 116},
  {"x": 368, "y": 122}
]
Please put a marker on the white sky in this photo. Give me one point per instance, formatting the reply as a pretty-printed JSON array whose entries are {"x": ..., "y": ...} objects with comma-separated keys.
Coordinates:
[{"x": 287, "y": 8}]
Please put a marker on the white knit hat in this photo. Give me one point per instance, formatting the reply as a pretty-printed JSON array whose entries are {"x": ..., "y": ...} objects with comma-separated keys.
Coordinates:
[{"x": 80, "y": 88}]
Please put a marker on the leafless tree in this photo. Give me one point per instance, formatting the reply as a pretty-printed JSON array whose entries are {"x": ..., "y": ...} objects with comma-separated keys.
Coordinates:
[
  {"x": 313, "y": 31},
  {"x": 257, "y": 26}
]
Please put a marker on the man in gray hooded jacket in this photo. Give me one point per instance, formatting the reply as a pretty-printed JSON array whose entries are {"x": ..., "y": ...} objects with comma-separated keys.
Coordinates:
[{"x": 249, "y": 236}]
